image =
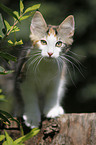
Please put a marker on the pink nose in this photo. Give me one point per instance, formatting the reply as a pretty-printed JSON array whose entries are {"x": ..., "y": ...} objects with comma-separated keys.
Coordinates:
[{"x": 50, "y": 53}]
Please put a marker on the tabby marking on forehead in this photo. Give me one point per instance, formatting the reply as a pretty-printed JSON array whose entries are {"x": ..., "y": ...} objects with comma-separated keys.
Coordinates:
[{"x": 52, "y": 30}]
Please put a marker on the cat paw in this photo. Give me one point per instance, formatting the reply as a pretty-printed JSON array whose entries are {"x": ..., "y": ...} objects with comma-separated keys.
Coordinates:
[
  {"x": 55, "y": 112},
  {"x": 31, "y": 122}
]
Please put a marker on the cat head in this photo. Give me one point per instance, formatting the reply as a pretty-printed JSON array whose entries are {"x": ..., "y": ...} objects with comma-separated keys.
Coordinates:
[{"x": 51, "y": 40}]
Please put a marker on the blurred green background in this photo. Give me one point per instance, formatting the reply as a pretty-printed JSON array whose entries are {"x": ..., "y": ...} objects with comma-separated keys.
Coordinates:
[{"x": 81, "y": 87}]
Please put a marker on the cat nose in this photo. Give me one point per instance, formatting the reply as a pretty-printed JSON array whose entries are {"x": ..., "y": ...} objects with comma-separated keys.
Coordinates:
[{"x": 50, "y": 53}]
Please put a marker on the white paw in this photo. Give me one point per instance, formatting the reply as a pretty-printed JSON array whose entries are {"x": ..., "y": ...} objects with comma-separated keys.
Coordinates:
[
  {"x": 55, "y": 112},
  {"x": 31, "y": 121}
]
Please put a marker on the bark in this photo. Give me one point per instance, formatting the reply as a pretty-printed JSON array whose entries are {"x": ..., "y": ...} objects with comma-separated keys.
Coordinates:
[{"x": 68, "y": 129}]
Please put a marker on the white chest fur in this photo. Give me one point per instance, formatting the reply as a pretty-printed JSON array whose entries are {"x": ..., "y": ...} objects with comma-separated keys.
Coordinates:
[
  {"x": 42, "y": 91},
  {"x": 42, "y": 75}
]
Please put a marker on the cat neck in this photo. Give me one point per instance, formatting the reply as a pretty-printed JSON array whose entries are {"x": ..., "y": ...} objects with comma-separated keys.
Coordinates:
[{"x": 47, "y": 69}]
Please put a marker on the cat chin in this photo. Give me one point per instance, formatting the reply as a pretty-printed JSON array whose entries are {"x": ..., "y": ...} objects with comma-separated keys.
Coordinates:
[{"x": 49, "y": 58}]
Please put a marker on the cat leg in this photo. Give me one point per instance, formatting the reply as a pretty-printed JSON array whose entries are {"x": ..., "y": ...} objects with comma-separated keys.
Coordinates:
[
  {"x": 32, "y": 115},
  {"x": 52, "y": 106}
]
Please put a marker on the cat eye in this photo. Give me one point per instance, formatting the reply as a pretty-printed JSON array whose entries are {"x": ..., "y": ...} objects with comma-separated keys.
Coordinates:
[
  {"x": 58, "y": 44},
  {"x": 43, "y": 42}
]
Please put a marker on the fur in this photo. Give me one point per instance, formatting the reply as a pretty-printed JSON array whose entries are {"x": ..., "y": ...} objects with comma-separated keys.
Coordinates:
[{"x": 44, "y": 85}]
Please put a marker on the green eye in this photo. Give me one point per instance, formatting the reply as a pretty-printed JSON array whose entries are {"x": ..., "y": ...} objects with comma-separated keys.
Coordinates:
[
  {"x": 43, "y": 42},
  {"x": 58, "y": 44}
]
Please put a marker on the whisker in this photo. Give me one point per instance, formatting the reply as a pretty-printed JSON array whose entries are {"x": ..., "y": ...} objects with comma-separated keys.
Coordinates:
[
  {"x": 33, "y": 54},
  {"x": 71, "y": 76},
  {"x": 68, "y": 61},
  {"x": 58, "y": 64},
  {"x": 22, "y": 58},
  {"x": 33, "y": 62},
  {"x": 77, "y": 61},
  {"x": 73, "y": 65},
  {"x": 70, "y": 72},
  {"x": 61, "y": 63},
  {"x": 76, "y": 54},
  {"x": 38, "y": 63},
  {"x": 27, "y": 60}
]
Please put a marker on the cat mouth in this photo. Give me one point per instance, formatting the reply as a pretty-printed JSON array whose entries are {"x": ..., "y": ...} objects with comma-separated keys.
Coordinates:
[{"x": 49, "y": 58}]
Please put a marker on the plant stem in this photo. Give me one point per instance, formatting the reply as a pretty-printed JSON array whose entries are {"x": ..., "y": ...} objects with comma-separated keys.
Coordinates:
[
  {"x": 11, "y": 28},
  {"x": 14, "y": 25}
]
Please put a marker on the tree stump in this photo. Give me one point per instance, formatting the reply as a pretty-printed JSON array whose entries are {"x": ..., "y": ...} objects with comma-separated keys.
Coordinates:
[{"x": 68, "y": 129}]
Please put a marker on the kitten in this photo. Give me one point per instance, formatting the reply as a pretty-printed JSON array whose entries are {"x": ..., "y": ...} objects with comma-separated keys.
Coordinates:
[{"x": 45, "y": 69}]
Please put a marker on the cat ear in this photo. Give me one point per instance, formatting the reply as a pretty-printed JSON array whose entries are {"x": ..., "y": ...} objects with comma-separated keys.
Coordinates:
[
  {"x": 66, "y": 29},
  {"x": 38, "y": 25}
]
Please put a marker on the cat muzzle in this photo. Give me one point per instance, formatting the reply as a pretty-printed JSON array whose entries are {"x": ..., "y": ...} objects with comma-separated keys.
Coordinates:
[{"x": 50, "y": 54}]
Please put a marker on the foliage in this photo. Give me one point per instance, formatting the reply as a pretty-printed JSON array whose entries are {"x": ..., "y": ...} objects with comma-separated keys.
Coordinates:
[
  {"x": 6, "y": 118},
  {"x": 4, "y": 72},
  {"x": 19, "y": 141},
  {"x": 2, "y": 97},
  {"x": 18, "y": 17},
  {"x": 6, "y": 29}
]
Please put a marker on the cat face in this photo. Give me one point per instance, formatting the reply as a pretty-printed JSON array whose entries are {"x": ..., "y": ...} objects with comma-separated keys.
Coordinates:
[
  {"x": 51, "y": 40},
  {"x": 50, "y": 45}
]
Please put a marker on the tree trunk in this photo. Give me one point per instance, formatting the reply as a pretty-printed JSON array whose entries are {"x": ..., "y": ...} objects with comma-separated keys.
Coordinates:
[{"x": 68, "y": 129}]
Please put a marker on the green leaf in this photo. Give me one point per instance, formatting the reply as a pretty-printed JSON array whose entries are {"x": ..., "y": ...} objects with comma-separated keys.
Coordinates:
[
  {"x": 25, "y": 17},
  {"x": 8, "y": 11},
  {"x": 32, "y": 133},
  {"x": 9, "y": 140},
  {"x": 8, "y": 72},
  {"x": 2, "y": 98},
  {"x": 4, "y": 118},
  {"x": 16, "y": 13},
  {"x": 4, "y": 72},
  {"x": 10, "y": 42},
  {"x": 15, "y": 28},
  {"x": 7, "y": 25},
  {"x": 21, "y": 7},
  {"x": 2, "y": 137},
  {"x": 5, "y": 143},
  {"x": 9, "y": 116},
  {"x": 8, "y": 56},
  {"x": 2, "y": 27},
  {"x": 6, "y": 114},
  {"x": 19, "y": 42},
  {"x": 34, "y": 7}
]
